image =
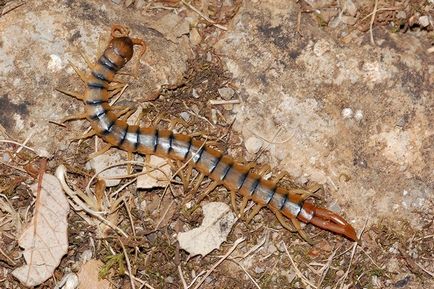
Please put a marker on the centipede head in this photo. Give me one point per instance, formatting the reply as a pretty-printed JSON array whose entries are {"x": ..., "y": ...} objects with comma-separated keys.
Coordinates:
[{"x": 123, "y": 47}]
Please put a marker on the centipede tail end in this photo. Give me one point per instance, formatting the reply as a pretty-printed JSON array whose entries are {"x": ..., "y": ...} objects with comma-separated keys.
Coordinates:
[{"x": 327, "y": 220}]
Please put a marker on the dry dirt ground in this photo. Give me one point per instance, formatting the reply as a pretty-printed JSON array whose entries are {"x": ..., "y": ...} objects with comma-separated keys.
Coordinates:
[{"x": 336, "y": 93}]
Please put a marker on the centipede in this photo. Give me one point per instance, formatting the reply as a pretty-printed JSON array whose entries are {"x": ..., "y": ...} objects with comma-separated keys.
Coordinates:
[{"x": 289, "y": 206}]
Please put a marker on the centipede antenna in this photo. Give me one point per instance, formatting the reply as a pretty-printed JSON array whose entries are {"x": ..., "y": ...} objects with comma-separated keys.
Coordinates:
[{"x": 123, "y": 31}]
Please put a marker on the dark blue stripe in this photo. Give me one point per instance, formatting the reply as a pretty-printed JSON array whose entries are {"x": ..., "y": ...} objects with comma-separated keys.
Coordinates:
[
  {"x": 95, "y": 102},
  {"x": 273, "y": 191},
  {"x": 97, "y": 116},
  {"x": 106, "y": 62},
  {"x": 93, "y": 85},
  {"x": 254, "y": 187},
  {"x": 100, "y": 76},
  {"x": 226, "y": 171}
]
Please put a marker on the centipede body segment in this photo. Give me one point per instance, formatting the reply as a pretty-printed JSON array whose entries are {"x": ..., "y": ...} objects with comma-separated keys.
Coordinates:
[{"x": 236, "y": 177}]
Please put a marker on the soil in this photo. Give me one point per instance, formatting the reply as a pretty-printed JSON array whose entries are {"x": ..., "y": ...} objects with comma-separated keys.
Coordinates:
[{"x": 338, "y": 94}]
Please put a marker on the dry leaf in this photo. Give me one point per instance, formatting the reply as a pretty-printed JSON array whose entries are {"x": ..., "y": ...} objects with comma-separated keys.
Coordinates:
[
  {"x": 45, "y": 240},
  {"x": 88, "y": 276},
  {"x": 158, "y": 174},
  {"x": 105, "y": 160},
  {"x": 217, "y": 223}
]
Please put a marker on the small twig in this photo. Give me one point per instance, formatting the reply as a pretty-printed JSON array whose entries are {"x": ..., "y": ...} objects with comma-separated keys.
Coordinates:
[
  {"x": 374, "y": 12},
  {"x": 248, "y": 275},
  {"x": 22, "y": 145},
  {"x": 303, "y": 279},
  {"x": 181, "y": 276},
  {"x": 164, "y": 215},
  {"x": 60, "y": 174},
  {"x": 218, "y": 101},
  {"x": 203, "y": 16},
  {"x": 4, "y": 12},
  {"x": 378, "y": 10},
  {"x": 353, "y": 252},
  {"x": 326, "y": 267},
  {"x": 425, "y": 270},
  {"x": 7, "y": 257},
  {"x": 234, "y": 246},
  {"x": 254, "y": 248},
  {"x": 127, "y": 259}
]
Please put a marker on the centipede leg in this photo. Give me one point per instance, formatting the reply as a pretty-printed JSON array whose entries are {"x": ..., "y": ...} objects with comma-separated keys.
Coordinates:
[
  {"x": 71, "y": 93},
  {"x": 264, "y": 170},
  {"x": 243, "y": 206},
  {"x": 280, "y": 176},
  {"x": 76, "y": 116},
  {"x": 129, "y": 166},
  {"x": 283, "y": 222},
  {"x": 306, "y": 193},
  {"x": 234, "y": 201},
  {"x": 209, "y": 189},
  {"x": 100, "y": 152},
  {"x": 198, "y": 183},
  {"x": 300, "y": 230},
  {"x": 254, "y": 212},
  {"x": 87, "y": 60},
  {"x": 79, "y": 73},
  {"x": 84, "y": 136}
]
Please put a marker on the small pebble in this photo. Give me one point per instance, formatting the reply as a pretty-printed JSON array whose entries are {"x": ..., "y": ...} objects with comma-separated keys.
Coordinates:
[
  {"x": 6, "y": 157},
  {"x": 259, "y": 270},
  {"x": 423, "y": 21},
  {"x": 86, "y": 256},
  {"x": 185, "y": 116},
  {"x": 213, "y": 116},
  {"x": 401, "y": 15},
  {"x": 358, "y": 115},
  {"x": 194, "y": 93},
  {"x": 226, "y": 92},
  {"x": 347, "y": 112},
  {"x": 253, "y": 144},
  {"x": 195, "y": 37},
  {"x": 143, "y": 205}
]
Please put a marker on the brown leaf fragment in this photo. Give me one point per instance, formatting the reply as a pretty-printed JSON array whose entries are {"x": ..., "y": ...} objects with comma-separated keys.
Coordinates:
[
  {"x": 45, "y": 239},
  {"x": 88, "y": 276}
]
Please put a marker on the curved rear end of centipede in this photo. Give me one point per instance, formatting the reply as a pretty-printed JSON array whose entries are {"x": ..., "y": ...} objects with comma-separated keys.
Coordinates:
[{"x": 327, "y": 220}]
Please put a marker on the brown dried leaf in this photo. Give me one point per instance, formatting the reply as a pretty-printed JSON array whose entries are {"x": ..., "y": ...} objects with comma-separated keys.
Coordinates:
[
  {"x": 45, "y": 240},
  {"x": 88, "y": 276}
]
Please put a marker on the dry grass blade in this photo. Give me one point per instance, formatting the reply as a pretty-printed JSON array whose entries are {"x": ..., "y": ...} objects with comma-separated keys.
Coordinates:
[
  {"x": 234, "y": 246},
  {"x": 303, "y": 279}
]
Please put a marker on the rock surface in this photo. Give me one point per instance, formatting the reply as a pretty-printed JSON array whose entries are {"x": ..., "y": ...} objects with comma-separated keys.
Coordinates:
[
  {"x": 376, "y": 163},
  {"x": 39, "y": 39}
]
